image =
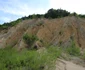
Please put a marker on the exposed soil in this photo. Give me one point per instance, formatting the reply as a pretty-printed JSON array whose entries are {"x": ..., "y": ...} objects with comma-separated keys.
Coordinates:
[
  {"x": 68, "y": 65},
  {"x": 60, "y": 32}
]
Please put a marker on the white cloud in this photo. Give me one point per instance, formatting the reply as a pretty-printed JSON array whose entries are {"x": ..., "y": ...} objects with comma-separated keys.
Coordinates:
[
  {"x": 20, "y": 9},
  {"x": 5, "y": 19},
  {"x": 14, "y": 9},
  {"x": 70, "y": 5}
]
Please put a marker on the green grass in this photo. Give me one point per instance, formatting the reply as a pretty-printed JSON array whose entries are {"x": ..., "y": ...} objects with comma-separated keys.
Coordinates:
[
  {"x": 11, "y": 59},
  {"x": 83, "y": 56},
  {"x": 73, "y": 49}
]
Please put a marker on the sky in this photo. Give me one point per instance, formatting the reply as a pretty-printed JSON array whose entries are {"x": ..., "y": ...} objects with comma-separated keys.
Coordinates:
[{"x": 13, "y": 9}]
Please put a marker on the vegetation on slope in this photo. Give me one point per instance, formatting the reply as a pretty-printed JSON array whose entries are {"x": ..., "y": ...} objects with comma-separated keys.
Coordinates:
[
  {"x": 31, "y": 59},
  {"x": 10, "y": 24},
  {"x": 83, "y": 56},
  {"x": 51, "y": 13},
  {"x": 43, "y": 59},
  {"x": 29, "y": 39},
  {"x": 11, "y": 59},
  {"x": 73, "y": 50},
  {"x": 28, "y": 59}
]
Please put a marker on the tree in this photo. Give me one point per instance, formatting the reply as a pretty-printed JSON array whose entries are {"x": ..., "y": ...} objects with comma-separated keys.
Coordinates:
[{"x": 52, "y": 13}]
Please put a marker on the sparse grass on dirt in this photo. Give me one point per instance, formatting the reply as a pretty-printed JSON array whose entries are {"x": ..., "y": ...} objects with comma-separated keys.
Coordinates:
[
  {"x": 75, "y": 51},
  {"x": 83, "y": 56},
  {"x": 72, "y": 50}
]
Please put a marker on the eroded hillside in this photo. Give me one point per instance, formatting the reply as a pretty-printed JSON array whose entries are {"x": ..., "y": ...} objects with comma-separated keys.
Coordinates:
[{"x": 60, "y": 32}]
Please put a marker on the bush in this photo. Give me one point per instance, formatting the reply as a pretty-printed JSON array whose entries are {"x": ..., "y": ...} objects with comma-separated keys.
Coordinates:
[
  {"x": 53, "y": 13},
  {"x": 29, "y": 39},
  {"x": 10, "y": 59}
]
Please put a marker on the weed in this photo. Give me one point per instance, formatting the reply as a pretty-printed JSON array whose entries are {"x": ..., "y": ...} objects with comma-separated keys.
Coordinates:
[
  {"x": 83, "y": 56},
  {"x": 73, "y": 50}
]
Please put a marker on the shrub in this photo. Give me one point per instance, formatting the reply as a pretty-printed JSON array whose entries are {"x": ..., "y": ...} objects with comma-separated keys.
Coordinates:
[
  {"x": 10, "y": 59},
  {"x": 29, "y": 39}
]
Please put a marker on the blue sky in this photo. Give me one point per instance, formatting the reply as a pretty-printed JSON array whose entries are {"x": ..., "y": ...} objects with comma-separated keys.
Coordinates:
[{"x": 13, "y": 9}]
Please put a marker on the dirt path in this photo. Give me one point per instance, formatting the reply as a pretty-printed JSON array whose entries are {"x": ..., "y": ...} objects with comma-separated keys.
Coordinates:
[{"x": 67, "y": 65}]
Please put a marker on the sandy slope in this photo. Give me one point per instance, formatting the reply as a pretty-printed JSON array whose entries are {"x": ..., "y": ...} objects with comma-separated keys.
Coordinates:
[{"x": 67, "y": 65}]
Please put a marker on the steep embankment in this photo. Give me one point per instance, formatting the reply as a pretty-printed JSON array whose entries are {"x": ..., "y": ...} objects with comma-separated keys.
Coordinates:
[
  {"x": 61, "y": 32},
  {"x": 15, "y": 33}
]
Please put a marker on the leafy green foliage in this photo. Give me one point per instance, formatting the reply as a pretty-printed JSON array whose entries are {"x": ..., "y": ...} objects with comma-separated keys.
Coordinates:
[
  {"x": 82, "y": 16},
  {"x": 11, "y": 59},
  {"x": 29, "y": 39},
  {"x": 52, "y": 13},
  {"x": 10, "y": 24},
  {"x": 36, "y": 16}
]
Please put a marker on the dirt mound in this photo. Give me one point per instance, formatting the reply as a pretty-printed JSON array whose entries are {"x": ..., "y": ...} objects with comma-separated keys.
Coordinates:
[{"x": 61, "y": 32}]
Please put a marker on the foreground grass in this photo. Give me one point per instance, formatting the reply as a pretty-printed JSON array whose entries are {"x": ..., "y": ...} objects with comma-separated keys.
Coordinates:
[{"x": 11, "y": 59}]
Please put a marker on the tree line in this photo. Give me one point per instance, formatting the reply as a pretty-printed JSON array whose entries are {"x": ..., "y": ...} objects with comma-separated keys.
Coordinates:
[{"x": 51, "y": 13}]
